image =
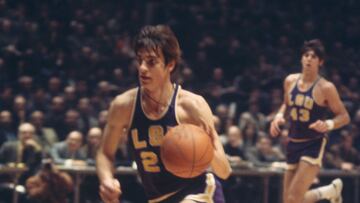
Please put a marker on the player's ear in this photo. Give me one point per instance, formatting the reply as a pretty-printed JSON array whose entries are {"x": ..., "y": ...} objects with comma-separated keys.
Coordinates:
[
  {"x": 171, "y": 65},
  {"x": 321, "y": 62}
]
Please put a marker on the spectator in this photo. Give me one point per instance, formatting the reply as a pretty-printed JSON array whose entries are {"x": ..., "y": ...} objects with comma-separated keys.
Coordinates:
[
  {"x": 47, "y": 137},
  {"x": 102, "y": 118},
  {"x": 92, "y": 144},
  {"x": 263, "y": 154},
  {"x": 54, "y": 85},
  {"x": 25, "y": 150},
  {"x": 20, "y": 110},
  {"x": 235, "y": 148},
  {"x": 86, "y": 119},
  {"x": 68, "y": 152},
  {"x": 7, "y": 132},
  {"x": 49, "y": 185},
  {"x": 55, "y": 117},
  {"x": 254, "y": 117},
  {"x": 343, "y": 156}
]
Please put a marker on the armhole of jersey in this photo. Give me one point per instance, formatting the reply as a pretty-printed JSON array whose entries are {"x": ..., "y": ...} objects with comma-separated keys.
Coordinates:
[
  {"x": 133, "y": 109},
  {"x": 175, "y": 105},
  {"x": 313, "y": 92},
  {"x": 292, "y": 86}
]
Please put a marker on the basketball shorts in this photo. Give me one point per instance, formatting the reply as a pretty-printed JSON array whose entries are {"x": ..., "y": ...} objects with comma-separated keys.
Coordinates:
[
  {"x": 207, "y": 191},
  {"x": 311, "y": 151}
]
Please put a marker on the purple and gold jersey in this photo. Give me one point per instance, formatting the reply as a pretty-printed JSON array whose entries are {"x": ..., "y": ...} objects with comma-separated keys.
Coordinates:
[
  {"x": 303, "y": 111},
  {"x": 145, "y": 139}
]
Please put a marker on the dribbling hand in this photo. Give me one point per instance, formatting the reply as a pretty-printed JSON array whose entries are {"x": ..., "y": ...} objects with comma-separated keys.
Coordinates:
[
  {"x": 275, "y": 126},
  {"x": 110, "y": 191}
]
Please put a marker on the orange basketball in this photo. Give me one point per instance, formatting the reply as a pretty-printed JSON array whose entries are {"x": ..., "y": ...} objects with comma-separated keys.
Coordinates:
[{"x": 186, "y": 150}]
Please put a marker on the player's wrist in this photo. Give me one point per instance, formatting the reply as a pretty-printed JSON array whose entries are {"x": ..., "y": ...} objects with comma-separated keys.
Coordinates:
[
  {"x": 330, "y": 124},
  {"x": 279, "y": 115}
]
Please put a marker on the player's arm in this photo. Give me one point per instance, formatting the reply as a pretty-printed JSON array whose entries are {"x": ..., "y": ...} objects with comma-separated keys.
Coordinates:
[
  {"x": 203, "y": 116},
  {"x": 335, "y": 104},
  {"x": 113, "y": 135},
  {"x": 279, "y": 117}
]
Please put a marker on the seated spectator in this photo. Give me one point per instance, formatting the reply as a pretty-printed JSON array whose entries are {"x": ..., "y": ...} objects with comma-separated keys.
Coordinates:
[
  {"x": 102, "y": 118},
  {"x": 55, "y": 117},
  {"x": 250, "y": 135},
  {"x": 25, "y": 150},
  {"x": 7, "y": 133},
  {"x": 20, "y": 110},
  {"x": 68, "y": 152},
  {"x": 92, "y": 145},
  {"x": 86, "y": 119},
  {"x": 253, "y": 116},
  {"x": 47, "y": 137},
  {"x": 343, "y": 156},
  {"x": 49, "y": 185},
  {"x": 263, "y": 154},
  {"x": 234, "y": 147}
]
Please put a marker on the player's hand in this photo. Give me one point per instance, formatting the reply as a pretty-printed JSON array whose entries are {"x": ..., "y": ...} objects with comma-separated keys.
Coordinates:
[
  {"x": 275, "y": 126},
  {"x": 319, "y": 126},
  {"x": 110, "y": 191}
]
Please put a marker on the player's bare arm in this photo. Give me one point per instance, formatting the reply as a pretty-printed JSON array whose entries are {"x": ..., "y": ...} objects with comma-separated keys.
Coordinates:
[
  {"x": 329, "y": 96},
  {"x": 117, "y": 123},
  {"x": 194, "y": 109},
  {"x": 279, "y": 117}
]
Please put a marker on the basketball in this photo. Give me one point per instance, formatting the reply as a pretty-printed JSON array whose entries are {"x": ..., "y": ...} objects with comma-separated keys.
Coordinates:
[{"x": 186, "y": 151}]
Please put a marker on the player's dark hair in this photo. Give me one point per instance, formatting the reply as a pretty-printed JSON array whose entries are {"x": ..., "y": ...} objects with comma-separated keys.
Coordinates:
[
  {"x": 158, "y": 38},
  {"x": 315, "y": 45}
]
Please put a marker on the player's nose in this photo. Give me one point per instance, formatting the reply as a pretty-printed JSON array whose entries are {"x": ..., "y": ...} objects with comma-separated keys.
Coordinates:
[{"x": 142, "y": 67}]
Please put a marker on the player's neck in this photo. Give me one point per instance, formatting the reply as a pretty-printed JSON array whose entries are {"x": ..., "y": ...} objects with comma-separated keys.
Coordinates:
[
  {"x": 160, "y": 97},
  {"x": 308, "y": 78}
]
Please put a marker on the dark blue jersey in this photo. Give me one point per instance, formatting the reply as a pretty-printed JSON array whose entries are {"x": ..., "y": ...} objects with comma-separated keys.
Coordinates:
[
  {"x": 303, "y": 111},
  {"x": 145, "y": 139}
]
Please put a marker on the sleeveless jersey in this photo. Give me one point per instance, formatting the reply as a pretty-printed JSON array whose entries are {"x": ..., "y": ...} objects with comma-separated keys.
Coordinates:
[
  {"x": 303, "y": 111},
  {"x": 145, "y": 139}
]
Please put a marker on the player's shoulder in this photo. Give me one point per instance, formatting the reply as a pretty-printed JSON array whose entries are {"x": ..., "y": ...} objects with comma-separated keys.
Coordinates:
[
  {"x": 292, "y": 77},
  {"x": 325, "y": 84},
  {"x": 190, "y": 100},
  {"x": 125, "y": 99}
]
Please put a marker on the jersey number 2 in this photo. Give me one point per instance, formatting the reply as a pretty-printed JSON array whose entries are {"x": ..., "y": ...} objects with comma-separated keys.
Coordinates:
[{"x": 150, "y": 161}]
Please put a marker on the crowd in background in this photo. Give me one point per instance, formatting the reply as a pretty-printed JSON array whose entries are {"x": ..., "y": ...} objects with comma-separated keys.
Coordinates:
[{"x": 62, "y": 62}]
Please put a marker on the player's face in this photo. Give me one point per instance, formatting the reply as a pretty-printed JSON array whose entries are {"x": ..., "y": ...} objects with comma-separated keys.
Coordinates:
[
  {"x": 310, "y": 62},
  {"x": 152, "y": 69}
]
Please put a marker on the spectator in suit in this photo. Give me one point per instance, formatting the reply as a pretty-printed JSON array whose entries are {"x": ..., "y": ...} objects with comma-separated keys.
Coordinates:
[
  {"x": 47, "y": 137},
  {"x": 86, "y": 119},
  {"x": 92, "y": 144},
  {"x": 68, "y": 152},
  {"x": 25, "y": 150}
]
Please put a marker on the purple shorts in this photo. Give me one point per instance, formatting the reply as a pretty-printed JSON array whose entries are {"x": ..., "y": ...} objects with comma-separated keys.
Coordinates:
[{"x": 209, "y": 190}]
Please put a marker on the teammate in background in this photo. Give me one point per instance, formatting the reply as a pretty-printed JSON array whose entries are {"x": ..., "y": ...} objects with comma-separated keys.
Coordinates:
[
  {"x": 145, "y": 113},
  {"x": 307, "y": 96}
]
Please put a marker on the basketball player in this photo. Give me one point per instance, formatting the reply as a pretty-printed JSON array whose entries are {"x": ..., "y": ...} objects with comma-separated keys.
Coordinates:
[
  {"x": 307, "y": 96},
  {"x": 144, "y": 114}
]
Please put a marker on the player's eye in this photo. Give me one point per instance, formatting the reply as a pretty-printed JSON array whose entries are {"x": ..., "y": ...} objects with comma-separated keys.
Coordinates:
[{"x": 151, "y": 62}]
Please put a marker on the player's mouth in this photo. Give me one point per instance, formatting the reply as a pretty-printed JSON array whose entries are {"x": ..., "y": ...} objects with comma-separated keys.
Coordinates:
[{"x": 144, "y": 78}]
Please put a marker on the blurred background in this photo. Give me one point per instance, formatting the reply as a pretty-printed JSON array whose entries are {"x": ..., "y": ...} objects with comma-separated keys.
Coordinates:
[{"x": 62, "y": 62}]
